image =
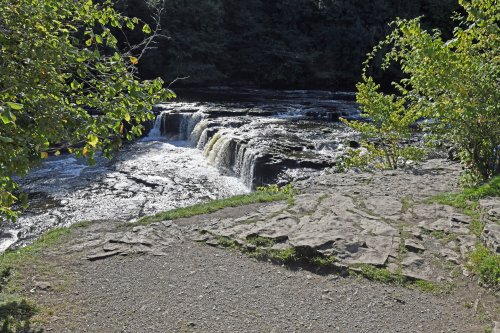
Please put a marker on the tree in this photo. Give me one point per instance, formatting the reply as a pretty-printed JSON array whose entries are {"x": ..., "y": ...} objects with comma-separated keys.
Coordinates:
[
  {"x": 64, "y": 83},
  {"x": 454, "y": 84}
]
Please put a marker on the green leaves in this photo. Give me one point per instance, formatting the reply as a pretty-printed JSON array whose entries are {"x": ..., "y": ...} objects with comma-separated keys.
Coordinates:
[
  {"x": 65, "y": 86},
  {"x": 6, "y": 116},
  {"x": 146, "y": 29},
  {"x": 5, "y": 139},
  {"x": 454, "y": 84},
  {"x": 92, "y": 140},
  {"x": 15, "y": 106},
  {"x": 74, "y": 85}
]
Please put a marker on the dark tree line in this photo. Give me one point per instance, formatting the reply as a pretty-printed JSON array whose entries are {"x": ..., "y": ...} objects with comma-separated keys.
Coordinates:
[{"x": 280, "y": 43}]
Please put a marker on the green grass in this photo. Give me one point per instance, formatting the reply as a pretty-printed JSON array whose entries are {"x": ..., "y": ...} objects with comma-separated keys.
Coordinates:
[
  {"x": 215, "y": 205},
  {"x": 293, "y": 256},
  {"x": 380, "y": 274},
  {"x": 468, "y": 201},
  {"x": 12, "y": 258},
  {"x": 486, "y": 265},
  {"x": 468, "y": 198},
  {"x": 433, "y": 287},
  {"x": 482, "y": 262},
  {"x": 16, "y": 312},
  {"x": 285, "y": 256},
  {"x": 406, "y": 204},
  {"x": 261, "y": 241},
  {"x": 383, "y": 275},
  {"x": 227, "y": 242}
]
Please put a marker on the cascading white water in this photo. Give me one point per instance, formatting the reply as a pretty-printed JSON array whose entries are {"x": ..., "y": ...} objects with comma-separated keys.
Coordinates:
[
  {"x": 221, "y": 150},
  {"x": 245, "y": 165},
  {"x": 188, "y": 123},
  {"x": 202, "y": 141},
  {"x": 155, "y": 132},
  {"x": 197, "y": 133},
  {"x": 220, "y": 154}
]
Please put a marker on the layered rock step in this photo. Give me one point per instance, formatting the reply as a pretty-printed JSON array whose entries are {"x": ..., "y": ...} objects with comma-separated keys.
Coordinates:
[
  {"x": 382, "y": 219},
  {"x": 268, "y": 137}
]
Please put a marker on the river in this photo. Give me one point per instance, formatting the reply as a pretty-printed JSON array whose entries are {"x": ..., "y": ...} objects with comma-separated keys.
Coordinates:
[{"x": 208, "y": 144}]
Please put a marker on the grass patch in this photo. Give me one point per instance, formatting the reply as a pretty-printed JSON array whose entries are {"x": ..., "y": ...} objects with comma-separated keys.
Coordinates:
[
  {"x": 322, "y": 261},
  {"x": 486, "y": 265},
  {"x": 12, "y": 258},
  {"x": 406, "y": 204},
  {"x": 290, "y": 255},
  {"x": 433, "y": 287},
  {"x": 381, "y": 274},
  {"x": 482, "y": 262},
  {"x": 215, "y": 205},
  {"x": 227, "y": 242},
  {"x": 16, "y": 313},
  {"x": 468, "y": 201},
  {"x": 261, "y": 241},
  {"x": 443, "y": 236},
  {"x": 468, "y": 198},
  {"x": 286, "y": 256}
]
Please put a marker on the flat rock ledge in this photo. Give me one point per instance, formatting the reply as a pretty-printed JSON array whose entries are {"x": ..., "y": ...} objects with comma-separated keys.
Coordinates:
[
  {"x": 382, "y": 219},
  {"x": 490, "y": 213}
]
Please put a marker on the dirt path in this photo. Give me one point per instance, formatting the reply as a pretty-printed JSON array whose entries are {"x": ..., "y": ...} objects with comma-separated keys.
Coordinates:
[
  {"x": 197, "y": 288},
  {"x": 110, "y": 277}
]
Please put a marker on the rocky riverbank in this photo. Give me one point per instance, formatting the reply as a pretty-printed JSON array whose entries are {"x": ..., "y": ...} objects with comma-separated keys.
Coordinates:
[{"x": 120, "y": 278}]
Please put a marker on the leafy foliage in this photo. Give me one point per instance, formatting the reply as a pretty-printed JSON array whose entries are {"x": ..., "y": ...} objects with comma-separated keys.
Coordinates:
[
  {"x": 388, "y": 125},
  {"x": 453, "y": 84},
  {"x": 65, "y": 83},
  {"x": 281, "y": 43}
]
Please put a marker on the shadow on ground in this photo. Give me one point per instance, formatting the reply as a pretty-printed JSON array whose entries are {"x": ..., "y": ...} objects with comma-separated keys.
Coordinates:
[{"x": 15, "y": 317}]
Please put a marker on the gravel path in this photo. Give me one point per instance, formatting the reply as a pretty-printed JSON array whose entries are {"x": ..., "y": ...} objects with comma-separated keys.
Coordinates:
[
  {"x": 197, "y": 288},
  {"x": 110, "y": 277}
]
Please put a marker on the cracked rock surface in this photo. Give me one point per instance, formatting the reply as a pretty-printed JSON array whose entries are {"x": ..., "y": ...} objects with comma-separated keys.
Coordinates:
[
  {"x": 164, "y": 278},
  {"x": 381, "y": 219}
]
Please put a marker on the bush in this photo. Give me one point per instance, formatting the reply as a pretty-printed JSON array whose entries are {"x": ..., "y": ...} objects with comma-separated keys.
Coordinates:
[{"x": 453, "y": 84}]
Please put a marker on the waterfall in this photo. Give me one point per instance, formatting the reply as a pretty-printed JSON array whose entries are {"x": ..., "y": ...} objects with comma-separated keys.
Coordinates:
[
  {"x": 175, "y": 125},
  {"x": 223, "y": 150},
  {"x": 155, "y": 132},
  {"x": 227, "y": 153},
  {"x": 202, "y": 140},
  {"x": 197, "y": 133},
  {"x": 245, "y": 164},
  {"x": 188, "y": 123}
]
